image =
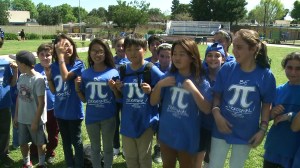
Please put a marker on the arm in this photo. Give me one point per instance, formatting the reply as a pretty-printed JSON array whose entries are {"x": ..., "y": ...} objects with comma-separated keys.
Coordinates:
[
  {"x": 202, "y": 104},
  {"x": 16, "y": 115},
  {"x": 296, "y": 123},
  {"x": 113, "y": 87},
  {"x": 14, "y": 78},
  {"x": 156, "y": 91},
  {"x": 81, "y": 95},
  {"x": 265, "y": 115},
  {"x": 49, "y": 79},
  {"x": 39, "y": 111},
  {"x": 223, "y": 125}
]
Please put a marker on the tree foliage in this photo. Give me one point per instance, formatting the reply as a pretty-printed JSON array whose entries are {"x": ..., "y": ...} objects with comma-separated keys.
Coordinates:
[
  {"x": 229, "y": 11},
  {"x": 202, "y": 10},
  {"x": 129, "y": 15},
  {"x": 25, "y": 5},
  {"x": 155, "y": 15},
  {"x": 268, "y": 11},
  {"x": 100, "y": 13},
  {"x": 295, "y": 13},
  {"x": 4, "y": 12},
  {"x": 83, "y": 13}
]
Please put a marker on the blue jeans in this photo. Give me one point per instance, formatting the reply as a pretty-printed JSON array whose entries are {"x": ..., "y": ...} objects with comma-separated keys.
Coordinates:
[
  {"x": 104, "y": 129},
  {"x": 5, "y": 120},
  {"x": 70, "y": 131}
]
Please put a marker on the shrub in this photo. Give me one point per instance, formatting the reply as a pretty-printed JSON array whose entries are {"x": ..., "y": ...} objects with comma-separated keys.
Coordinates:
[
  {"x": 53, "y": 36},
  {"x": 11, "y": 36},
  {"x": 32, "y": 36}
]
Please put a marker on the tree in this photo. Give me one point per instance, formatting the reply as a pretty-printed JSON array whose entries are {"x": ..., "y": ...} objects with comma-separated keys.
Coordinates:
[
  {"x": 83, "y": 13},
  {"x": 4, "y": 12},
  {"x": 295, "y": 13},
  {"x": 66, "y": 13},
  {"x": 202, "y": 10},
  {"x": 93, "y": 21},
  {"x": 155, "y": 15},
  {"x": 100, "y": 12},
  {"x": 129, "y": 15},
  {"x": 25, "y": 5},
  {"x": 44, "y": 14},
  {"x": 175, "y": 5},
  {"x": 230, "y": 11},
  {"x": 268, "y": 11}
]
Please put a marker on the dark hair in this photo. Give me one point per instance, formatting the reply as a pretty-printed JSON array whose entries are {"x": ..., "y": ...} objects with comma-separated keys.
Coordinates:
[
  {"x": 74, "y": 55},
  {"x": 251, "y": 37},
  {"x": 289, "y": 57},
  {"x": 108, "y": 61},
  {"x": 164, "y": 46},
  {"x": 153, "y": 38},
  {"x": 45, "y": 47},
  {"x": 117, "y": 40},
  {"x": 192, "y": 50},
  {"x": 129, "y": 41}
]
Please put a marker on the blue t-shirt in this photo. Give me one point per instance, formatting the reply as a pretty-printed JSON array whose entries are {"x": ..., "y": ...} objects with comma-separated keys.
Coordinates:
[
  {"x": 120, "y": 61},
  {"x": 278, "y": 149},
  {"x": 180, "y": 117},
  {"x": 67, "y": 104},
  {"x": 296, "y": 163},
  {"x": 149, "y": 60},
  {"x": 242, "y": 94},
  {"x": 50, "y": 97},
  {"x": 100, "y": 99},
  {"x": 5, "y": 77},
  {"x": 137, "y": 113}
]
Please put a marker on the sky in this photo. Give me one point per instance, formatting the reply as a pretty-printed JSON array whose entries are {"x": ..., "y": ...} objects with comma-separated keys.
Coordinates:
[{"x": 164, "y": 5}]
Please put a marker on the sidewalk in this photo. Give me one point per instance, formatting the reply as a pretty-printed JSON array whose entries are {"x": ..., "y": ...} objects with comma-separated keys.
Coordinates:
[{"x": 12, "y": 57}]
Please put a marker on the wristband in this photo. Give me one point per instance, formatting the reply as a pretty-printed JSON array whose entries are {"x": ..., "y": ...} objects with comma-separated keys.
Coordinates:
[
  {"x": 264, "y": 123},
  {"x": 263, "y": 129},
  {"x": 290, "y": 116},
  {"x": 216, "y": 107},
  {"x": 61, "y": 62}
]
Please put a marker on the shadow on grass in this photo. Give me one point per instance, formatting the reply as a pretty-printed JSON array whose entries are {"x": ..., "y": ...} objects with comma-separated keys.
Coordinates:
[{"x": 119, "y": 165}]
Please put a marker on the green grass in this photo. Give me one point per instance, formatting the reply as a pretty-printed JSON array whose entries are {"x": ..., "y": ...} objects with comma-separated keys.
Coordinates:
[{"x": 255, "y": 158}]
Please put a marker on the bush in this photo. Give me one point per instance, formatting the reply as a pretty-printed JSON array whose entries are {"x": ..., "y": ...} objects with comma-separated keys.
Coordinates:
[
  {"x": 49, "y": 36},
  {"x": 11, "y": 36},
  {"x": 156, "y": 32},
  {"x": 32, "y": 36}
]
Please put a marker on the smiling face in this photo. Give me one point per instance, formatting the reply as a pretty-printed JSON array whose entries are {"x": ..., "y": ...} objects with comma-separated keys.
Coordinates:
[
  {"x": 45, "y": 57},
  {"x": 292, "y": 71},
  {"x": 153, "y": 47},
  {"x": 242, "y": 51},
  {"x": 214, "y": 59},
  {"x": 135, "y": 54},
  {"x": 120, "y": 48},
  {"x": 97, "y": 54}
]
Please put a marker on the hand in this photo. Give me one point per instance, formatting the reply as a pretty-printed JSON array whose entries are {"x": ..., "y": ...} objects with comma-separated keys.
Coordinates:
[
  {"x": 275, "y": 111},
  {"x": 60, "y": 49},
  {"x": 257, "y": 139},
  {"x": 14, "y": 67},
  {"x": 119, "y": 85},
  {"x": 168, "y": 81},
  {"x": 15, "y": 122},
  {"x": 146, "y": 88},
  {"x": 34, "y": 126},
  {"x": 77, "y": 82},
  {"x": 189, "y": 85},
  {"x": 112, "y": 84},
  {"x": 223, "y": 125},
  {"x": 280, "y": 118}
]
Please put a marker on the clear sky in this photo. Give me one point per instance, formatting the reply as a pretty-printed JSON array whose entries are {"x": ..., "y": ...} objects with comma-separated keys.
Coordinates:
[{"x": 164, "y": 5}]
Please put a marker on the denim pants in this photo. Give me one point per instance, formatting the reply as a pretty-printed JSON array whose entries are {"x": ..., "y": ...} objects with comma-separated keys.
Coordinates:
[
  {"x": 104, "y": 129},
  {"x": 219, "y": 150},
  {"x": 70, "y": 131},
  {"x": 5, "y": 121}
]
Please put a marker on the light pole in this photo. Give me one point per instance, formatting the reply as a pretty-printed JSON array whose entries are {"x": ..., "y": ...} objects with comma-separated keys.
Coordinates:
[{"x": 80, "y": 36}]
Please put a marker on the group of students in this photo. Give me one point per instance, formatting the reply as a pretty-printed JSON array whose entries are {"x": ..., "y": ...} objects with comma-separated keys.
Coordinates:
[{"x": 199, "y": 110}]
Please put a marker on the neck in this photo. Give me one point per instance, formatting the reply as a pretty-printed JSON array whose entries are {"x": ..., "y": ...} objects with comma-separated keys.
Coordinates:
[
  {"x": 213, "y": 73},
  {"x": 99, "y": 67},
  {"x": 185, "y": 72},
  {"x": 136, "y": 66},
  {"x": 248, "y": 66},
  {"x": 30, "y": 71}
]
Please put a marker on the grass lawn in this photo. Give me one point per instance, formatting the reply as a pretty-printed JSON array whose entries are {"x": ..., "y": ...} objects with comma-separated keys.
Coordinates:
[{"x": 255, "y": 158}]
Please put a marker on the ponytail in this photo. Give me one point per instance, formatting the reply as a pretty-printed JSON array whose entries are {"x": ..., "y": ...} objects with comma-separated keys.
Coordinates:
[{"x": 262, "y": 58}]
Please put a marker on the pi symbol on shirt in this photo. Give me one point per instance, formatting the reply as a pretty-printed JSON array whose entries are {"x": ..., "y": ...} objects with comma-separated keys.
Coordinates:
[
  {"x": 178, "y": 94},
  {"x": 97, "y": 88},
  {"x": 240, "y": 94},
  {"x": 133, "y": 89},
  {"x": 61, "y": 84}
]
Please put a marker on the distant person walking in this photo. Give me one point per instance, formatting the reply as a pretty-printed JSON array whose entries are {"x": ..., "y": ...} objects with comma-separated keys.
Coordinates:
[
  {"x": 2, "y": 34},
  {"x": 22, "y": 34}
]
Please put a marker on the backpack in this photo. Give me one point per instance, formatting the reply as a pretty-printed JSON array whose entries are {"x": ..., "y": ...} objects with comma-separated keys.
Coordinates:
[{"x": 146, "y": 73}]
